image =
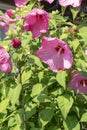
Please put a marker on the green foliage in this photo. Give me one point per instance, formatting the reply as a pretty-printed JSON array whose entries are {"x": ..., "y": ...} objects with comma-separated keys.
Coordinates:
[
  {"x": 71, "y": 123},
  {"x": 82, "y": 34},
  {"x": 84, "y": 117},
  {"x": 74, "y": 12},
  {"x": 45, "y": 116},
  {"x": 61, "y": 78},
  {"x": 32, "y": 97},
  {"x": 65, "y": 102},
  {"x": 26, "y": 76},
  {"x": 3, "y": 105},
  {"x": 14, "y": 94},
  {"x": 36, "y": 90}
]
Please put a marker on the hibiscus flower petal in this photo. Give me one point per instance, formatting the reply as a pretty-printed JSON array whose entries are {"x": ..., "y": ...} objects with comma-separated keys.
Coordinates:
[
  {"x": 74, "y": 3},
  {"x": 36, "y": 21},
  {"x": 20, "y": 3},
  {"x": 55, "y": 54},
  {"x": 78, "y": 82}
]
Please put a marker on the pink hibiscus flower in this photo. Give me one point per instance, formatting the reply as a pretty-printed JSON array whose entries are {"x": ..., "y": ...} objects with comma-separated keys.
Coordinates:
[
  {"x": 5, "y": 62},
  {"x": 78, "y": 82},
  {"x": 74, "y": 3},
  {"x": 5, "y": 20},
  {"x": 20, "y": 3},
  {"x": 49, "y": 1},
  {"x": 55, "y": 53},
  {"x": 36, "y": 21}
]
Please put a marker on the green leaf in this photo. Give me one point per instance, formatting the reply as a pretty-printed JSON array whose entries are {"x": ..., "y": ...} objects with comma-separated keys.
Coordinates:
[
  {"x": 31, "y": 124},
  {"x": 63, "y": 10},
  {"x": 41, "y": 98},
  {"x": 3, "y": 105},
  {"x": 36, "y": 90},
  {"x": 11, "y": 122},
  {"x": 76, "y": 110},
  {"x": 40, "y": 75},
  {"x": 14, "y": 94},
  {"x": 82, "y": 33},
  {"x": 35, "y": 129},
  {"x": 18, "y": 119},
  {"x": 5, "y": 43},
  {"x": 53, "y": 23},
  {"x": 65, "y": 102},
  {"x": 64, "y": 35},
  {"x": 74, "y": 12},
  {"x": 61, "y": 78},
  {"x": 71, "y": 123},
  {"x": 17, "y": 127},
  {"x": 53, "y": 128},
  {"x": 84, "y": 117},
  {"x": 36, "y": 60},
  {"x": 30, "y": 110},
  {"x": 45, "y": 116},
  {"x": 4, "y": 128},
  {"x": 74, "y": 44},
  {"x": 26, "y": 76},
  {"x": 52, "y": 80}
]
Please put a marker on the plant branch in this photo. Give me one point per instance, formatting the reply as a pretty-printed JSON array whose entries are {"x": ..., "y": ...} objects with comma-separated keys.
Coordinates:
[{"x": 22, "y": 101}]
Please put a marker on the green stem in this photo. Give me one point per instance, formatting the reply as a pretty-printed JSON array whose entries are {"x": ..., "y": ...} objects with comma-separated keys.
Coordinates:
[{"x": 22, "y": 101}]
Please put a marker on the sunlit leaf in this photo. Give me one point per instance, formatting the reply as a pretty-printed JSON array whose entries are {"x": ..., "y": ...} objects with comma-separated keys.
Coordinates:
[
  {"x": 65, "y": 102},
  {"x": 84, "y": 117},
  {"x": 61, "y": 78},
  {"x": 3, "y": 105}
]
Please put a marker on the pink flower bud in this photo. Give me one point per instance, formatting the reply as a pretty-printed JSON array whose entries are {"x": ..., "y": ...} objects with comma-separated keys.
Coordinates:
[
  {"x": 9, "y": 12},
  {"x": 76, "y": 30},
  {"x": 16, "y": 43},
  {"x": 70, "y": 30}
]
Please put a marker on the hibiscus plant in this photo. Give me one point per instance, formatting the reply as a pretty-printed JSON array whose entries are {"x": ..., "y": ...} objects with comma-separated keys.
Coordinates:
[{"x": 43, "y": 67}]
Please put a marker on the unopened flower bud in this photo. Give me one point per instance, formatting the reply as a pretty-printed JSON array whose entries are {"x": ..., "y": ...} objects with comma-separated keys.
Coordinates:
[
  {"x": 76, "y": 30},
  {"x": 16, "y": 43},
  {"x": 70, "y": 30},
  {"x": 9, "y": 12}
]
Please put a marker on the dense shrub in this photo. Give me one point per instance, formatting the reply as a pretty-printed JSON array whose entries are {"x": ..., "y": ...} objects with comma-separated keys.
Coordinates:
[{"x": 43, "y": 63}]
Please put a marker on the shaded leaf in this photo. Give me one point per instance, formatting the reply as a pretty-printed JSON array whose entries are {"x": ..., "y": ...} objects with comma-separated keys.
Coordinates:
[
  {"x": 71, "y": 123},
  {"x": 30, "y": 110},
  {"x": 45, "y": 116}
]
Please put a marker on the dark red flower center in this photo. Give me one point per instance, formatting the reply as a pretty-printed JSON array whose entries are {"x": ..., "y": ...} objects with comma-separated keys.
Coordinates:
[
  {"x": 83, "y": 82},
  {"x": 59, "y": 49},
  {"x": 39, "y": 16}
]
